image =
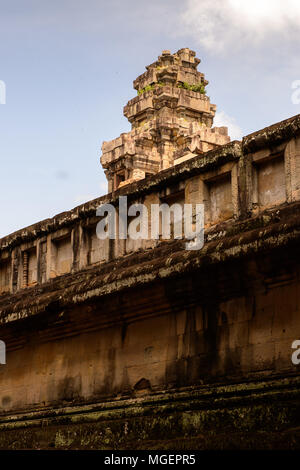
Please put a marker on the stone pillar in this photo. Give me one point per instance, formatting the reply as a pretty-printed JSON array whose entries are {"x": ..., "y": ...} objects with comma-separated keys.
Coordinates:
[{"x": 292, "y": 169}]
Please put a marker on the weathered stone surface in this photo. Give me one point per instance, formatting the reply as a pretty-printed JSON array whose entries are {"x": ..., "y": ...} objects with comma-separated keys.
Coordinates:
[
  {"x": 210, "y": 417},
  {"x": 116, "y": 344},
  {"x": 171, "y": 120}
]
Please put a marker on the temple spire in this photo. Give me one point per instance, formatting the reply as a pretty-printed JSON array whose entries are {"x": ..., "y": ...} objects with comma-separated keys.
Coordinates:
[{"x": 171, "y": 119}]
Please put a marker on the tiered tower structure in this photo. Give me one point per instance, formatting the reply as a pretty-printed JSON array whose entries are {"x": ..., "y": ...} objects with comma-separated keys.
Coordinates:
[{"x": 171, "y": 121}]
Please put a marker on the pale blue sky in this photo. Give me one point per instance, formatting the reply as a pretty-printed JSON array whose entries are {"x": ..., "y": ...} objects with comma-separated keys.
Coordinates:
[{"x": 69, "y": 66}]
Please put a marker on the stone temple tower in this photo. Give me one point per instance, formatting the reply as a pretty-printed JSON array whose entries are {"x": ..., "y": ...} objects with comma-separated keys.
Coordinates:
[{"x": 171, "y": 119}]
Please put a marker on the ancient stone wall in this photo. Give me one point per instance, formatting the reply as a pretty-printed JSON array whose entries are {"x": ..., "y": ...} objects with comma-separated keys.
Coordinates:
[
  {"x": 231, "y": 182},
  {"x": 147, "y": 337}
]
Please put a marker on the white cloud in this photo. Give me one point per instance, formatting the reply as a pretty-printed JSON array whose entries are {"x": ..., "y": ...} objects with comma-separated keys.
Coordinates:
[
  {"x": 220, "y": 24},
  {"x": 103, "y": 187},
  {"x": 222, "y": 119},
  {"x": 82, "y": 198}
]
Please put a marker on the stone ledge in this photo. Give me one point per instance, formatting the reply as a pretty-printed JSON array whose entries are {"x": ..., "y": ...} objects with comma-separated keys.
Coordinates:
[
  {"x": 272, "y": 135},
  {"x": 201, "y": 417},
  {"x": 192, "y": 167},
  {"x": 273, "y": 229}
]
